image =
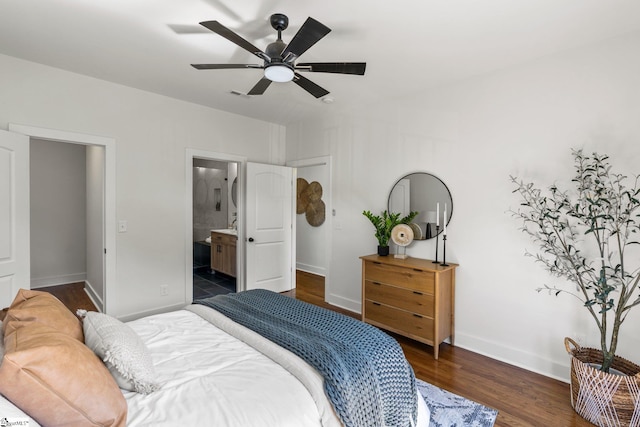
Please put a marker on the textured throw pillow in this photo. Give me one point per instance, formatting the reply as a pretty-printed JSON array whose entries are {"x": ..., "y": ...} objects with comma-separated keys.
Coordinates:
[
  {"x": 41, "y": 307},
  {"x": 122, "y": 350},
  {"x": 58, "y": 381}
]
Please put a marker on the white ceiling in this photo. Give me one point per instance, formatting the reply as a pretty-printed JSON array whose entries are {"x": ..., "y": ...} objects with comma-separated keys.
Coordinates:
[{"x": 408, "y": 45}]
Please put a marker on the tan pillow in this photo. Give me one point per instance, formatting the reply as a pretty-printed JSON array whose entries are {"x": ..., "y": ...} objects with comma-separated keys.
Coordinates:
[
  {"x": 41, "y": 307},
  {"x": 58, "y": 381}
]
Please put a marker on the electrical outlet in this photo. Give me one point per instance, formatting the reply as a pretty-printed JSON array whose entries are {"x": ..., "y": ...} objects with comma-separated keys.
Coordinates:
[{"x": 164, "y": 290}]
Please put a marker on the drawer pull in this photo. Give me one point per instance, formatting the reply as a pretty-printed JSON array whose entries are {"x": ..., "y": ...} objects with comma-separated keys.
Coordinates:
[
  {"x": 417, "y": 293},
  {"x": 417, "y": 315},
  {"x": 417, "y": 269},
  {"x": 376, "y": 262},
  {"x": 375, "y": 303},
  {"x": 376, "y": 283}
]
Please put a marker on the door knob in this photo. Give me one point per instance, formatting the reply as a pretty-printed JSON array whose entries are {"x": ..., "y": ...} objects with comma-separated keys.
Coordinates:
[{"x": 251, "y": 239}]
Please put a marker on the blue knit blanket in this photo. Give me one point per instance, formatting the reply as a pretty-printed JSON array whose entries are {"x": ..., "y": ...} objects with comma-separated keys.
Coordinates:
[{"x": 367, "y": 378}]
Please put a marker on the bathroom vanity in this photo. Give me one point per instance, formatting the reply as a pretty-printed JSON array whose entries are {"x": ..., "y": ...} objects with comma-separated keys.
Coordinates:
[{"x": 223, "y": 251}]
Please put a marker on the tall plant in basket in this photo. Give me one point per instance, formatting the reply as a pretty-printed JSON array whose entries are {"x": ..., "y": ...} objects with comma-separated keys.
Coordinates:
[{"x": 589, "y": 236}]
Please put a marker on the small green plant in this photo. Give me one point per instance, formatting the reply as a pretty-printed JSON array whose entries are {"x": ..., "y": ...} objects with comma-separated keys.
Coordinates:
[
  {"x": 385, "y": 222},
  {"x": 584, "y": 237}
]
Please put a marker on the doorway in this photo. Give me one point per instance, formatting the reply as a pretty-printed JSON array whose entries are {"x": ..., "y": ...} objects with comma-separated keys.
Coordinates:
[
  {"x": 100, "y": 206},
  {"x": 313, "y": 236},
  {"x": 206, "y": 172},
  {"x": 215, "y": 221}
]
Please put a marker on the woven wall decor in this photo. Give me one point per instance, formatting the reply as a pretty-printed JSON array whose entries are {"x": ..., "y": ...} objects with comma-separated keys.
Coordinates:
[
  {"x": 301, "y": 201},
  {"x": 309, "y": 201}
]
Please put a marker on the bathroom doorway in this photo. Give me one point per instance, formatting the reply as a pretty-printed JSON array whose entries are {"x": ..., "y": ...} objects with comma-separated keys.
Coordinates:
[
  {"x": 214, "y": 202},
  {"x": 215, "y": 220}
]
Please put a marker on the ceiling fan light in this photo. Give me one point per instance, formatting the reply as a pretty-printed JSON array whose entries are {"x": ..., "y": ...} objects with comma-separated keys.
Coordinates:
[{"x": 279, "y": 73}]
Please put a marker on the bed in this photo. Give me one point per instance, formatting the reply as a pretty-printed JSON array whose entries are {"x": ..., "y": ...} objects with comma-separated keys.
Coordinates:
[{"x": 194, "y": 366}]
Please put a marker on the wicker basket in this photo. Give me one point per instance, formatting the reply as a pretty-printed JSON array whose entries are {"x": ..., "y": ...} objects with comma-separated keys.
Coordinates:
[{"x": 601, "y": 398}]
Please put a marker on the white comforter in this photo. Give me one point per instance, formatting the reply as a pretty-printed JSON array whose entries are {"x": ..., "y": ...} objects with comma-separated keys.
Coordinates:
[{"x": 210, "y": 378}]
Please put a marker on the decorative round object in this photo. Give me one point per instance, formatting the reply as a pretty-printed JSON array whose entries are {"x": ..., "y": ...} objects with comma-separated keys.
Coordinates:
[
  {"x": 315, "y": 213},
  {"x": 301, "y": 198},
  {"x": 402, "y": 235},
  {"x": 313, "y": 191},
  {"x": 417, "y": 231}
]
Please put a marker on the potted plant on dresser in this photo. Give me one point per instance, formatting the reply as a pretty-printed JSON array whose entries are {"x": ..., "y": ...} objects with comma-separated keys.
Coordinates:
[
  {"x": 383, "y": 224},
  {"x": 589, "y": 236}
]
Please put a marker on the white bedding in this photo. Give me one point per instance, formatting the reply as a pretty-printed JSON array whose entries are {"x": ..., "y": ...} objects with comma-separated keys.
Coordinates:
[{"x": 209, "y": 378}]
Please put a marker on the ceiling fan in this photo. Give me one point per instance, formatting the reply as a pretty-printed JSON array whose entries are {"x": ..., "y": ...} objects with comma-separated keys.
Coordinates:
[{"x": 279, "y": 58}]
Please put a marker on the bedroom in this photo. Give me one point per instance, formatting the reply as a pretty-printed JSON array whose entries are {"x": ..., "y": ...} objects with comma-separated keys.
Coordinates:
[{"x": 521, "y": 118}]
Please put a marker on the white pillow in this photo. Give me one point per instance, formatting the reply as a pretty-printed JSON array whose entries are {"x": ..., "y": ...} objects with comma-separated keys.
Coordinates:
[{"x": 122, "y": 351}]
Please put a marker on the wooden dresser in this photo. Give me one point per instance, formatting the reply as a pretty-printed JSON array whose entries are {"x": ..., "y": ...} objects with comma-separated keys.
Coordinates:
[{"x": 412, "y": 297}]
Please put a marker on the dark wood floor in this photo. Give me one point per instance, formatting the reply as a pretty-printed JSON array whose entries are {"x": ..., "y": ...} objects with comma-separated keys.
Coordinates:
[{"x": 522, "y": 398}]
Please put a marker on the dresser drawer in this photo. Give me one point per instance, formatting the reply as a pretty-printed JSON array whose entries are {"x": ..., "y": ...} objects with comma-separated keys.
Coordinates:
[
  {"x": 410, "y": 278},
  {"x": 401, "y": 321},
  {"x": 406, "y": 299}
]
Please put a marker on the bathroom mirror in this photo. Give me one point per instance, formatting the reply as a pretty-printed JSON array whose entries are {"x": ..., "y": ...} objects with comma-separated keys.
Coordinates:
[
  {"x": 427, "y": 194},
  {"x": 234, "y": 191}
]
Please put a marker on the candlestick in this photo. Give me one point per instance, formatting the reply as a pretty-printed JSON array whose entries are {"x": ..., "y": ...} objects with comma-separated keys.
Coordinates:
[
  {"x": 437, "y": 234},
  {"x": 444, "y": 251},
  {"x": 444, "y": 220}
]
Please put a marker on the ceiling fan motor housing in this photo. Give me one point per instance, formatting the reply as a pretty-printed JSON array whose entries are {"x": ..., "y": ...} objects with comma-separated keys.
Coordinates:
[
  {"x": 274, "y": 51},
  {"x": 279, "y": 21}
]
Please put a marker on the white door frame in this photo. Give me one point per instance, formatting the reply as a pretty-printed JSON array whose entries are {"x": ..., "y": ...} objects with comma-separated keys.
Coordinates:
[
  {"x": 240, "y": 255},
  {"x": 109, "y": 145}
]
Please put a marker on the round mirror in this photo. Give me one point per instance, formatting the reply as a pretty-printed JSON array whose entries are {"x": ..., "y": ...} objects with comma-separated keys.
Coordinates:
[
  {"x": 234, "y": 191},
  {"x": 426, "y": 194}
]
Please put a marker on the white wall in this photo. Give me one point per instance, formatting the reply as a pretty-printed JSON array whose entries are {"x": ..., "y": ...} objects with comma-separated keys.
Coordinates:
[
  {"x": 58, "y": 217},
  {"x": 473, "y": 135},
  {"x": 152, "y": 134}
]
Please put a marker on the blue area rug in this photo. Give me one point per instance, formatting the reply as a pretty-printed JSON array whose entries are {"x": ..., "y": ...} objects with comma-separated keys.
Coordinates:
[{"x": 451, "y": 410}]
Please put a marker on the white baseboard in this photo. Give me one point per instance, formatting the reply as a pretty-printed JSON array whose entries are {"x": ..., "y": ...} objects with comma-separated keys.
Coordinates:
[
  {"x": 347, "y": 304},
  {"x": 93, "y": 296},
  {"x": 320, "y": 271},
  {"x": 139, "y": 314},
  {"x": 42, "y": 282},
  {"x": 513, "y": 356}
]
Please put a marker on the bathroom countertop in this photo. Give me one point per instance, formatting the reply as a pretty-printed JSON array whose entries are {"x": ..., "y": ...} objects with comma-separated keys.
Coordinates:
[{"x": 230, "y": 231}]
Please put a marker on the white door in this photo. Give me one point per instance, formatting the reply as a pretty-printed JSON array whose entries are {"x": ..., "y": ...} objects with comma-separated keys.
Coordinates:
[
  {"x": 14, "y": 215},
  {"x": 400, "y": 199},
  {"x": 269, "y": 227}
]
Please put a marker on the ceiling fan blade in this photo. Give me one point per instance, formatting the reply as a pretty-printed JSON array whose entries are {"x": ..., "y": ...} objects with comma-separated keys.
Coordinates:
[
  {"x": 224, "y": 66},
  {"x": 333, "y": 67},
  {"x": 308, "y": 35},
  {"x": 220, "y": 29},
  {"x": 260, "y": 87},
  {"x": 310, "y": 86},
  {"x": 187, "y": 29}
]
